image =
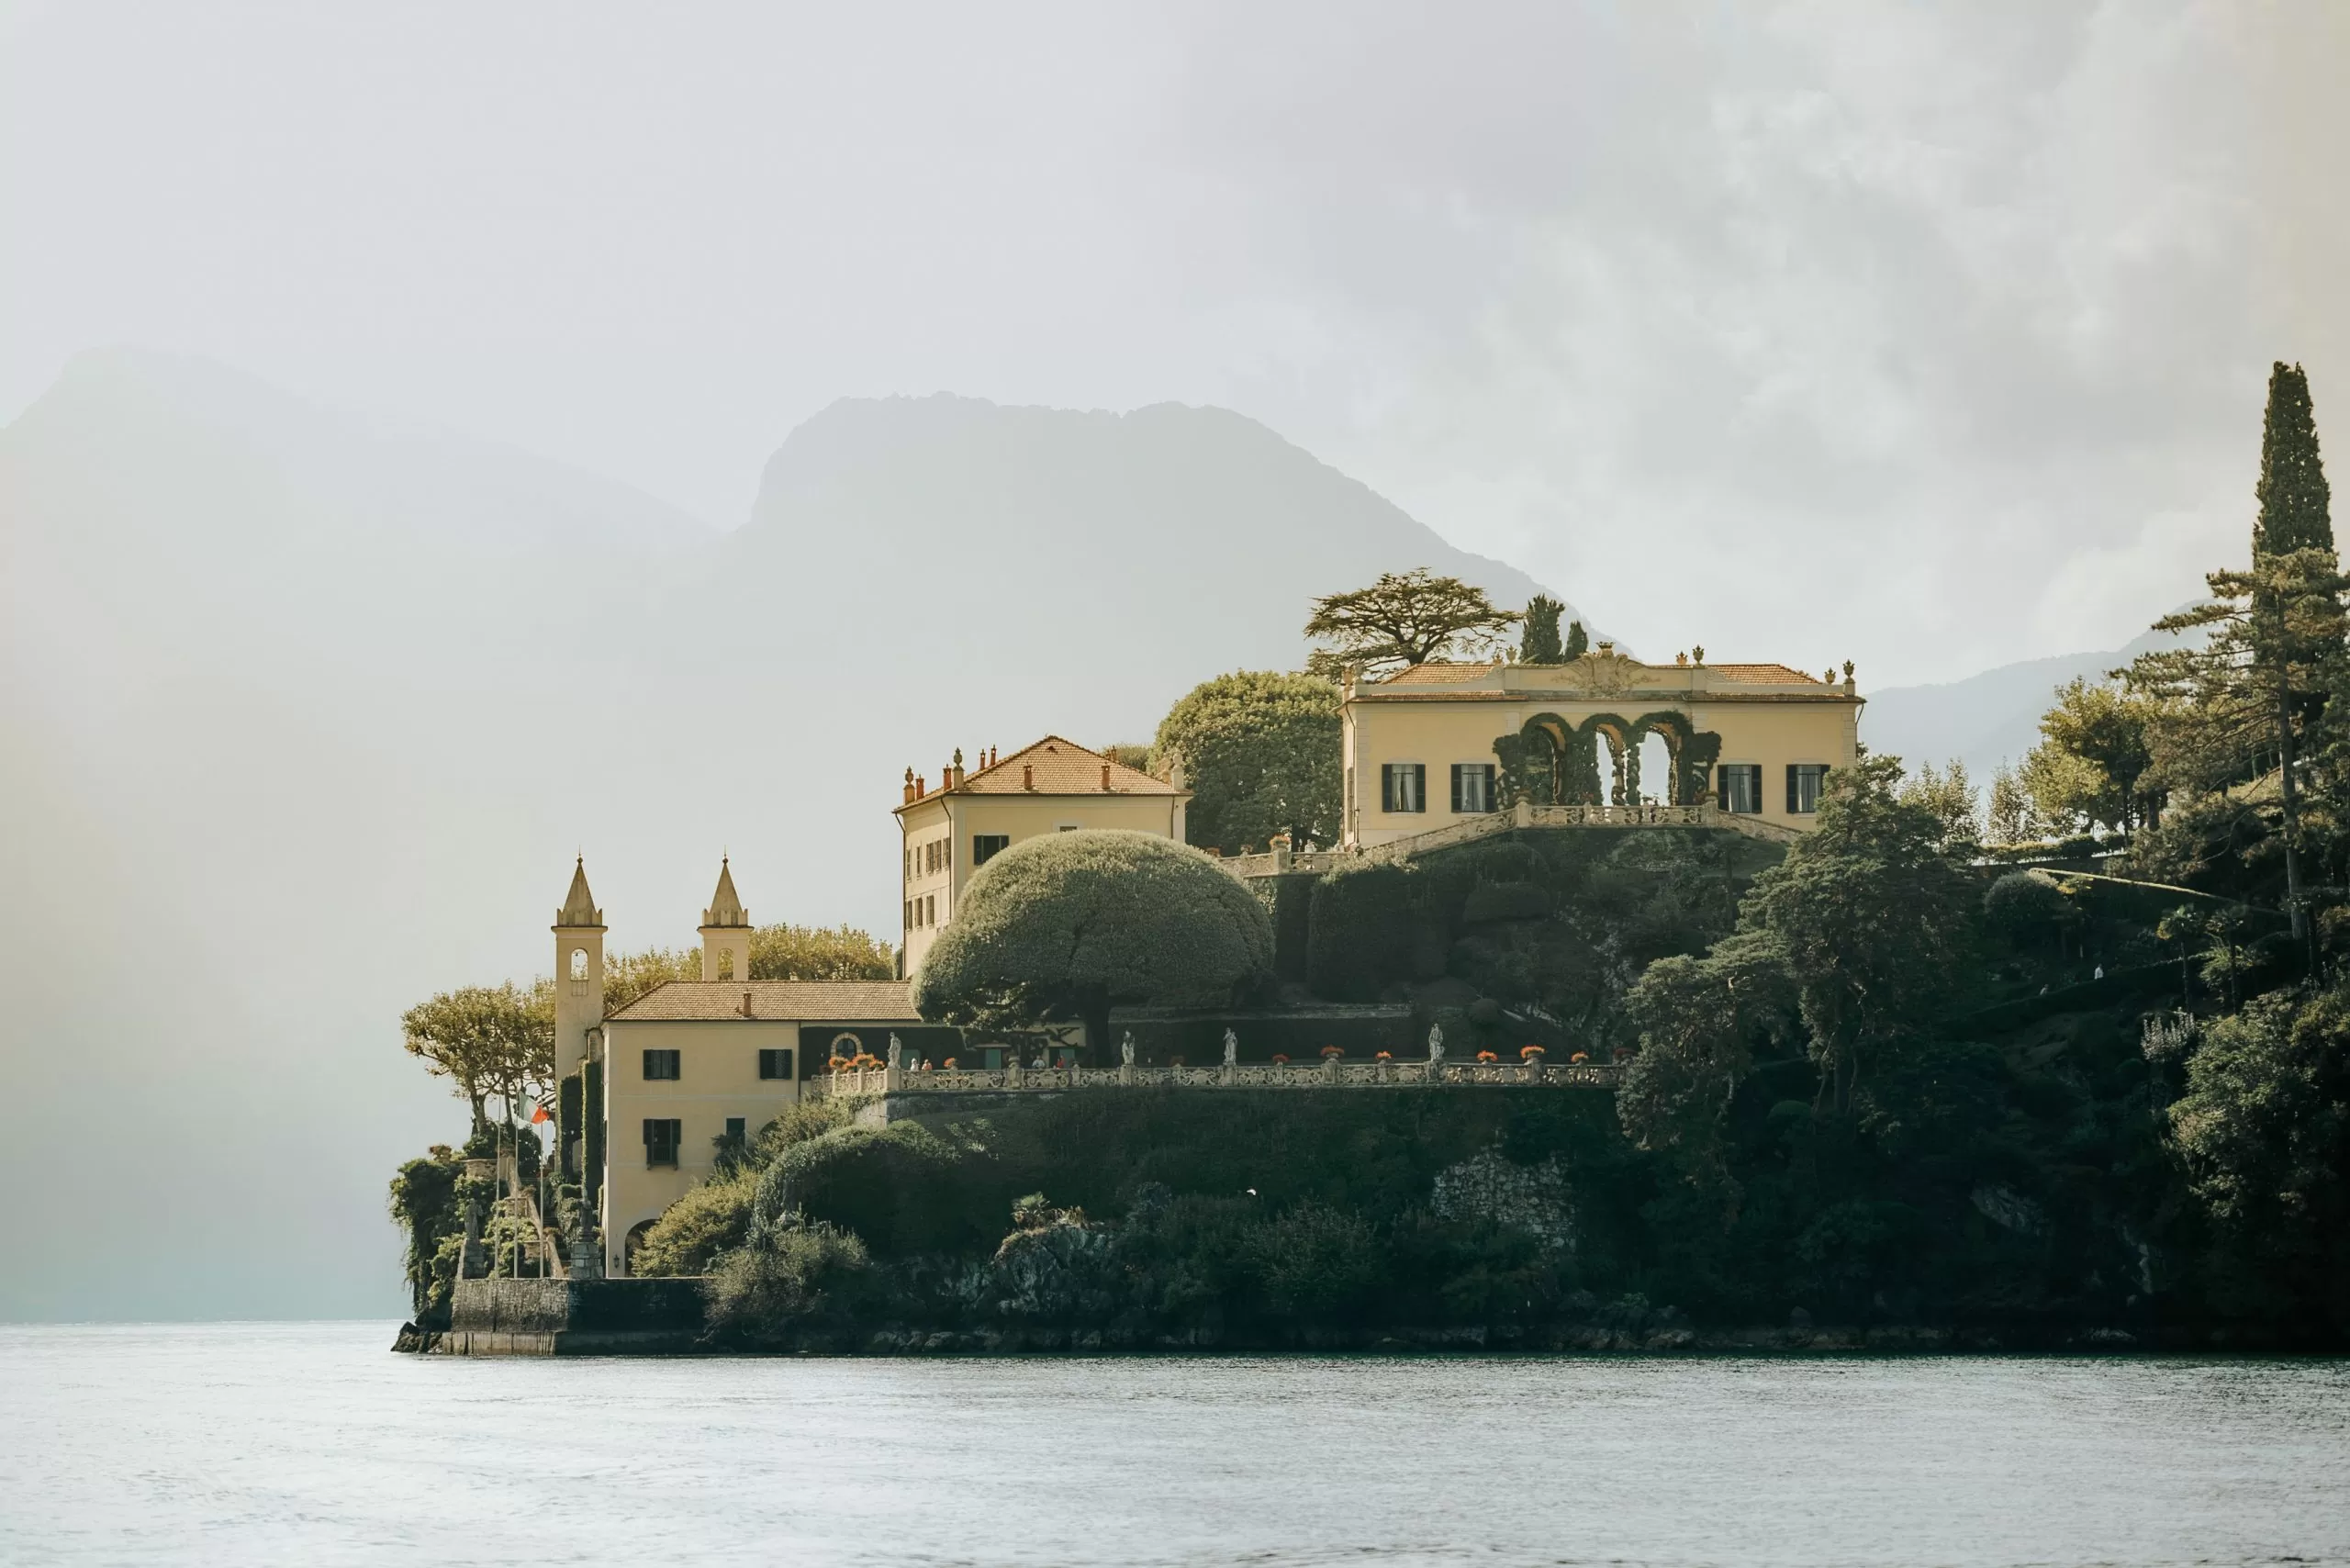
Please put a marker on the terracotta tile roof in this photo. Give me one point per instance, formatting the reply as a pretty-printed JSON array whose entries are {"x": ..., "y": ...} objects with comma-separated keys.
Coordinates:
[
  {"x": 1764, "y": 675},
  {"x": 1440, "y": 673},
  {"x": 848, "y": 1001},
  {"x": 1057, "y": 766}
]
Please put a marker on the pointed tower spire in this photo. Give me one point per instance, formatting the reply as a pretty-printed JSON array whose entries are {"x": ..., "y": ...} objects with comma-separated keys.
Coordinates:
[
  {"x": 725, "y": 909},
  {"x": 725, "y": 932},
  {"x": 579, "y": 911}
]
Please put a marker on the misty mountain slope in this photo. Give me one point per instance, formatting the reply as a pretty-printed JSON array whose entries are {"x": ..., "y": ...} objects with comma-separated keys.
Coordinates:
[
  {"x": 1986, "y": 719},
  {"x": 1121, "y": 557}
]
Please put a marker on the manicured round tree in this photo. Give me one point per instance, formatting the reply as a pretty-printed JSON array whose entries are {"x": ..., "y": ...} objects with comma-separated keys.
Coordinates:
[{"x": 1066, "y": 926}]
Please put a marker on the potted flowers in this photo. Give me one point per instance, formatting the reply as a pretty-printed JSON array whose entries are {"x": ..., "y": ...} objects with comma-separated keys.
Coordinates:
[
  {"x": 1580, "y": 1058},
  {"x": 1332, "y": 1053},
  {"x": 1529, "y": 1053},
  {"x": 1279, "y": 1059},
  {"x": 1487, "y": 1057}
]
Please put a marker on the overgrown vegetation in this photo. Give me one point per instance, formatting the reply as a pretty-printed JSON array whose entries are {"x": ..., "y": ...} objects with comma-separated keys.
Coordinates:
[{"x": 1260, "y": 752}]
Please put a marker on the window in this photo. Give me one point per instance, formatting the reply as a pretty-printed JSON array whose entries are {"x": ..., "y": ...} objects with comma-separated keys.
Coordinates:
[
  {"x": 986, "y": 846},
  {"x": 1403, "y": 786},
  {"x": 1804, "y": 779},
  {"x": 930, "y": 908},
  {"x": 660, "y": 1066},
  {"x": 1472, "y": 786},
  {"x": 1741, "y": 787},
  {"x": 775, "y": 1062},
  {"x": 662, "y": 1137}
]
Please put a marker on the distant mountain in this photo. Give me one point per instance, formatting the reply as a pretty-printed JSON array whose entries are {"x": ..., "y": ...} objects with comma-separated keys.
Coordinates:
[
  {"x": 306, "y": 712},
  {"x": 1985, "y": 718}
]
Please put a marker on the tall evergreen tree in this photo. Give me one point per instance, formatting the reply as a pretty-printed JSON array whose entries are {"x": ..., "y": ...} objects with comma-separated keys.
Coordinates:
[
  {"x": 1541, "y": 645},
  {"x": 1578, "y": 643},
  {"x": 2292, "y": 489}
]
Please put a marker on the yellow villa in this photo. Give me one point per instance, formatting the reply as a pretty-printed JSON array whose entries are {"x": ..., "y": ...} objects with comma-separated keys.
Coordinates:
[
  {"x": 692, "y": 1064},
  {"x": 1433, "y": 754},
  {"x": 1054, "y": 786},
  {"x": 1736, "y": 744}
]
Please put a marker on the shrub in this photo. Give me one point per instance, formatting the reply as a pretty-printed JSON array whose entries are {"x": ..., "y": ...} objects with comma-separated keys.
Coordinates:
[
  {"x": 1066, "y": 924},
  {"x": 2026, "y": 907},
  {"x": 690, "y": 1234},
  {"x": 803, "y": 1272}
]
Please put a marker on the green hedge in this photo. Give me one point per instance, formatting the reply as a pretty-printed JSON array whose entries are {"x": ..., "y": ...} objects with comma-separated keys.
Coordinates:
[{"x": 1362, "y": 937}]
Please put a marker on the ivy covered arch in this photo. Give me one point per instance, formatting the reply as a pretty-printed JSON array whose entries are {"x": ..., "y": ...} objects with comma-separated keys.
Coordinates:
[{"x": 1554, "y": 761}]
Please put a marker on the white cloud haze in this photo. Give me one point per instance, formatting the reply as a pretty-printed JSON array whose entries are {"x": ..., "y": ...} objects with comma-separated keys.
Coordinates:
[{"x": 1946, "y": 324}]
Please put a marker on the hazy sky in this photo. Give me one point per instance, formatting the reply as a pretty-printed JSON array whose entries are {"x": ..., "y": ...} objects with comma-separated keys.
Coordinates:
[{"x": 1927, "y": 336}]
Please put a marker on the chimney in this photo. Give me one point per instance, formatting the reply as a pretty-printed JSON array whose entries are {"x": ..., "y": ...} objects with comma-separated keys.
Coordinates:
[
  {"x": 1105, "y": 779},
  {"x": 922, "y": 785},
  {"x": 1027, "y": 775},
  {"x": 746, "y": 1006}
]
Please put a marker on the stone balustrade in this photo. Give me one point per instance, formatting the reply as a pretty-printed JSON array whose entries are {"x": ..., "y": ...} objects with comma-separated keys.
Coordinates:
[
  {"x": 1329, "y": 1073},
  {"x": 1524, "y": 814}
]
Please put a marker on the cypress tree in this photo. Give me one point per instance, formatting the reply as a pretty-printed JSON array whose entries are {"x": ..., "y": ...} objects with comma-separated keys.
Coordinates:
[
  {"x": 1541, "y": 644},
  {"x": 1578, "y": 642},
  {"x": 2292, "y": 487}
]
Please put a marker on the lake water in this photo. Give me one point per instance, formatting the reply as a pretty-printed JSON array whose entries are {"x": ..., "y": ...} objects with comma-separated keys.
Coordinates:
[{"x": 254, "y": 1443}]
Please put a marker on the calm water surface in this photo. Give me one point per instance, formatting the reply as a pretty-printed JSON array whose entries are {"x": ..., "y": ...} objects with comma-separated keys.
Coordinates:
[{"x": 309, "y": 1443}]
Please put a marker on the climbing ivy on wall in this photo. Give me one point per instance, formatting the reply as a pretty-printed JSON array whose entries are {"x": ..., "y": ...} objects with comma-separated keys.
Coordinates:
[{"x": 1552, "y": 762}]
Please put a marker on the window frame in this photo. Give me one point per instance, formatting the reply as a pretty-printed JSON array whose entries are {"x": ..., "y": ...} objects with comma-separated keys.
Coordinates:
[
  {"x": 1817, "y": 774},
  {"x": 1482, "y": 772},
  {"x": 1389, "y": 775},
  {"x": 671, "y": 1057},
  {"x": 1746, "y": 770},
  {"x": 986, "y": 846},
  {"x": 673, "y": 1134},
  {"x": 772, "y": 1057}
]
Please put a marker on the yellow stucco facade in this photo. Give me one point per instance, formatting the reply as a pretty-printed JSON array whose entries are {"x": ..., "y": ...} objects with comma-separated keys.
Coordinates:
[
  {"x": 1054, "y": 786},
  {"x": 1439, "y": 742},
  {"x": 693, "y": 1060}
]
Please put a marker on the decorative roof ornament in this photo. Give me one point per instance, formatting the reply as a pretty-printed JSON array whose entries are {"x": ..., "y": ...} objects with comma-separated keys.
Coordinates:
[{"x": 1604, "y": 671}]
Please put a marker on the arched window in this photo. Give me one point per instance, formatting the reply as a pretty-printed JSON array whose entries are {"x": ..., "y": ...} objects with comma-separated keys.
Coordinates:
[
  {"x": 726, "y": 963},
  {"x": 579, "y": 971}
]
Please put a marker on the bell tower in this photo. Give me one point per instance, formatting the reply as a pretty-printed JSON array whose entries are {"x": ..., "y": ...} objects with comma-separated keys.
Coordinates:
[
  {"x": 579, "y": 973},
  {"x": 725, "y": 933}
]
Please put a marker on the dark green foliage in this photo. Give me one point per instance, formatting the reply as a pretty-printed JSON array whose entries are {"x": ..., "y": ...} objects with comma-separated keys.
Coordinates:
[
  {"x": 1260, "y": 752},
  {"x": 1066, "y": 924},
  {"x": 2292, "y": 491},
  {"x": 1362, "y": 931},
  {"x": 2027, "y": 908},
  {"x": 591, "y": 1080},
  {"x": 2264, "y": 1129},
  {"x": 425, "y": 1205},
  {"x": 1539, "y": 645},
  {"x": 1578, "y": 643}
]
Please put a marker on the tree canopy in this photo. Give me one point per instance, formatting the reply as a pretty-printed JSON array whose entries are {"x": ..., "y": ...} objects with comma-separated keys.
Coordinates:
[
  {"x": 1541, "y": 645},
  {"x": 1065, "y": 926},
  {"x": 2092, "y": 766},
  {"x": 488, "y": 1041},
  {"x": 1402, "y": 619},
  {"x": 1260, "y": 752},
  {"x": 2291, "y": 489},
  {"x": 779, "y": 952}
]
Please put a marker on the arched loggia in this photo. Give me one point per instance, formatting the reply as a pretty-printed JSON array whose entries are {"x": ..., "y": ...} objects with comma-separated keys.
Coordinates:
[{"x": 1554, "y": 761}]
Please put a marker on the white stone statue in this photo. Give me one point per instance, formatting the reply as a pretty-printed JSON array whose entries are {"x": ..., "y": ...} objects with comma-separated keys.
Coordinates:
[
  {"x": 896, "y": 1051},
  {"x": 1436, "y": 1044},
  {"x": 1126, "y": 1048},
  {"x": 1231, "y": 1049}
]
